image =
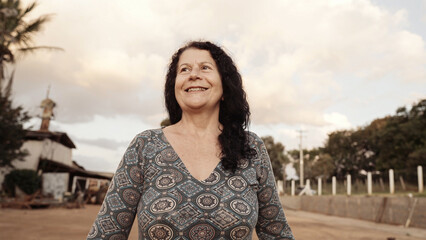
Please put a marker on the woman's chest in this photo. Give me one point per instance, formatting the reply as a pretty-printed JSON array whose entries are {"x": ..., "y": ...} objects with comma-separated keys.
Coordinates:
[{"x": 175, "y": 202}]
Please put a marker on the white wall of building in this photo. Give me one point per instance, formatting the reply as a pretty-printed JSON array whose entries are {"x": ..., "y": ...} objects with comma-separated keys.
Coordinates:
[
  {"x": 55, "y": 184},
  {"x": 31, "y": 160},
  {"x": 57, "y": 152},
  {"x": 47, "y": 149}
]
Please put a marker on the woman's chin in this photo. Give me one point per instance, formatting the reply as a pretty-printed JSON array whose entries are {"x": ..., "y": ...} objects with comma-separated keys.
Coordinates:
[{"x": 199, "y": 107}]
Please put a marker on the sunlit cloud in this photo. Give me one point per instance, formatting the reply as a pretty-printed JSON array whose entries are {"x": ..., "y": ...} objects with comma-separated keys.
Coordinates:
[{"x": 317, "y": 65}]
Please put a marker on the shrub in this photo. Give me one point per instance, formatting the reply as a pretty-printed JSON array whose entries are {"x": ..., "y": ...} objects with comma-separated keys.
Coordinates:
[{"x": 26, "y": 179}]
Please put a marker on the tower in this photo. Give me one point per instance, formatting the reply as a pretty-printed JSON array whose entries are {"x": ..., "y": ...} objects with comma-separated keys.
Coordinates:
[{"x": 47, "y": 105}]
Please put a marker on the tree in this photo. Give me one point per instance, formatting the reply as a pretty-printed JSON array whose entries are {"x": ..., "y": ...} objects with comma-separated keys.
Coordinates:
[
  {"x": 276, "y": 154},
  {"x": 27, "y": 180},
  {"x": 316, "y": 163},
  {"x": 16, "y": 35},
  {"x": 394, "y": 142},
  {"x": 12, "y": 133},
  {"x": 322, "y": 166},
  {"x": 401, "y": 143},
  {"x": 166, "y": 122}
]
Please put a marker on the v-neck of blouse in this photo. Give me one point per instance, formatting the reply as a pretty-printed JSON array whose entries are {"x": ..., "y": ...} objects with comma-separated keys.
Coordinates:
[{"x": 183, "y": 163}]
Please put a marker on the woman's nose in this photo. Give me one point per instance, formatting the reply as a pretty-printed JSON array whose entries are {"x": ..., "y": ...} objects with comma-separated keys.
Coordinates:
[{"x": 195, "y": 73}]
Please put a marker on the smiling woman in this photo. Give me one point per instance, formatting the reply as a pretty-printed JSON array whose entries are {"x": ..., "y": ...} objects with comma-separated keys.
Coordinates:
[
  {"x": 198, "y": 84},
  {"x": 204, "y": 176}
]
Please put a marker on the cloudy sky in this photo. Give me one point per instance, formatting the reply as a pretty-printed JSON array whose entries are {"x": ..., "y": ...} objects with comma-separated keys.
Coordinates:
[{"x": 313, "y": 65}]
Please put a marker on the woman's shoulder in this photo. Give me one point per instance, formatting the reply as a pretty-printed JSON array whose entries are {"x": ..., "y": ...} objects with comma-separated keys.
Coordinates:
[
  {"x": 253, "y": 138},
  {"x": 257, "y": 146},
  {"x": 147, "y": 135},
  {"x": 261, "y": 153},
  {"x": 150, "y": 132}
]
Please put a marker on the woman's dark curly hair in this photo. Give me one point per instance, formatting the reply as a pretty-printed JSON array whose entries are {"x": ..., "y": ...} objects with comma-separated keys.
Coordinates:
[{"x": 234, "y": 113}]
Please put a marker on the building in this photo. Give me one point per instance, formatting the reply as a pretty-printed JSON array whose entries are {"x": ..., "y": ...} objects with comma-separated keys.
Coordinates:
[{"x": 50, "y": 154}]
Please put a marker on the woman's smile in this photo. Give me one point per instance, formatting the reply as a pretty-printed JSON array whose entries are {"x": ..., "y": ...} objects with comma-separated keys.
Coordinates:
[
  {"x": 198, "y": 83},
  {"x": 196, "y": 89}
]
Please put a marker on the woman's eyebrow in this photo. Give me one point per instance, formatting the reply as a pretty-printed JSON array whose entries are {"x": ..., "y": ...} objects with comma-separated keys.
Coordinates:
[
  {"x": 187, "y": 64},
  {"x": 183, "y": 64}
]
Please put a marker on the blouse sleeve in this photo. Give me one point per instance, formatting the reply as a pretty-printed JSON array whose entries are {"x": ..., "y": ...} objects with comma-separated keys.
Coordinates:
[
  {"x": 271, "y": 223},
  {"x": 118, "y": 210}
]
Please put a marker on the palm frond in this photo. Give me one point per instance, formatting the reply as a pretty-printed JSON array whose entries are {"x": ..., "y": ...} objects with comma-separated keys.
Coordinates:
[
  {"x": 8, "y": 88},
  {"x": 15, "y": 4},
  {"x": 5, "y": 54},
  {"x": 17, "y": 33},
  {"x": 36, "y": 25},
  {"x": 36, "y": 48},
  {"x": 28, "y": 9},
  {"x": 23, "y": 35}
]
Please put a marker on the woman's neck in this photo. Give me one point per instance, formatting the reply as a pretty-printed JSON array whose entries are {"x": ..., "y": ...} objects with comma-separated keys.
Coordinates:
[{"x": 199, "y": 124}]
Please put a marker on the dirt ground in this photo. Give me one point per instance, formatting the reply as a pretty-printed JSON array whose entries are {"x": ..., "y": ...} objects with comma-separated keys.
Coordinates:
[{"x": 67, "y": 224}]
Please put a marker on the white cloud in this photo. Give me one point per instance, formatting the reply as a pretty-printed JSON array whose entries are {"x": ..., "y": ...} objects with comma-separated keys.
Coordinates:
[
  {"x": 290, "y": 53},
  {"x": 97, "y": 158},
  {"x": 294, "y": 56},
  {"x": 337, "y": 121},
  {"x": 312, "y": 135}
]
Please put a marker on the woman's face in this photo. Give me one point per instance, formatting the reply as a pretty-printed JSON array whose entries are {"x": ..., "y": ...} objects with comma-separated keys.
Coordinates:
[{"x": 198, "y": 85}]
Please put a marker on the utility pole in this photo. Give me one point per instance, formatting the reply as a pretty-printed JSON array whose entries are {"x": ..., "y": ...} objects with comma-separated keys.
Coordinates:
[{"x": 301, "y": 171}]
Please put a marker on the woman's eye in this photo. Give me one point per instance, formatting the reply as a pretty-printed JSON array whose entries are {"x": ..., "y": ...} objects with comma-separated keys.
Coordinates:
[
  {"x": 184, "y": 69},
  {"x": 205, "y": 67}
]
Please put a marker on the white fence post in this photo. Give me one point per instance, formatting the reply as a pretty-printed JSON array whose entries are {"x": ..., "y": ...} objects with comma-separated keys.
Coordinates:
[
  {"x": 420, "y": 178},
  {"x": 348, "y": 180},
  {"x": 333, "y": 185},
  {"x": 293, "y": 187},
  {"x": 319, "y": 187},
  {"x": 401, "y": 180},
  {"x": 391, "y": 182},
  {"x": 308, "y": 187},
  {"x": 369, "y": 183},
  {"x": 280, "y": 187}
]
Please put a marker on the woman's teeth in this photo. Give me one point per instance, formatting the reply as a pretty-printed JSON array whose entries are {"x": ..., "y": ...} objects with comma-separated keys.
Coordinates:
[{"x": 196, "y": 89}]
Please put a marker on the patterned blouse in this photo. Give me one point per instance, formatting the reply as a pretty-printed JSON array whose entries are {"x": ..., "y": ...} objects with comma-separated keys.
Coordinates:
[{"x": 152, "y": 183}]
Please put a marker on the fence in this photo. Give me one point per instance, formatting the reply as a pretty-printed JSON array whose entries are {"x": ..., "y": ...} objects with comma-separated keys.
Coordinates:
[
  {"x": 369, "y": 186},
  {"x": 401, "y": 210}
]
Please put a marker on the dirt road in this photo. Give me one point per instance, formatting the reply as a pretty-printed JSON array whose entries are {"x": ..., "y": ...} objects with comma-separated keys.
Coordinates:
[{"x": 67, "y": 224}]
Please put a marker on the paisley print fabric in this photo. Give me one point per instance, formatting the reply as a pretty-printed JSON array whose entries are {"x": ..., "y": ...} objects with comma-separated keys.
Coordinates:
[{"x": 153, "y": 185}]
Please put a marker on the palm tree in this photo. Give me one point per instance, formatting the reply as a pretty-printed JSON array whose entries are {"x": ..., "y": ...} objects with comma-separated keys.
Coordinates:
[{"x": 16, "y": 35}]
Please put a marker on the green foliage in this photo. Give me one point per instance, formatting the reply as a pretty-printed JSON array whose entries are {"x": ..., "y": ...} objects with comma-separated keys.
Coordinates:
[
  {"x": 17, "y": 33},
  {"x": 27, "y": 180},
  {"x": 166, "y": 122},
  {"x": 316, "y": 163},
  {"x": 12, "y": 133},
  {"x": 401, "y": 143},
  {"x": 395, "y": 142},
  {"x": 276, "y": 154},
  {"x": 351, "y": 151},
  {"x": 16, "y": 36}
]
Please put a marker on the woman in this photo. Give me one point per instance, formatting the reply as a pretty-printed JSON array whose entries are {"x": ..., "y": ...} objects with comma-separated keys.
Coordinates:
[{"x": 203, "y": 177}]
